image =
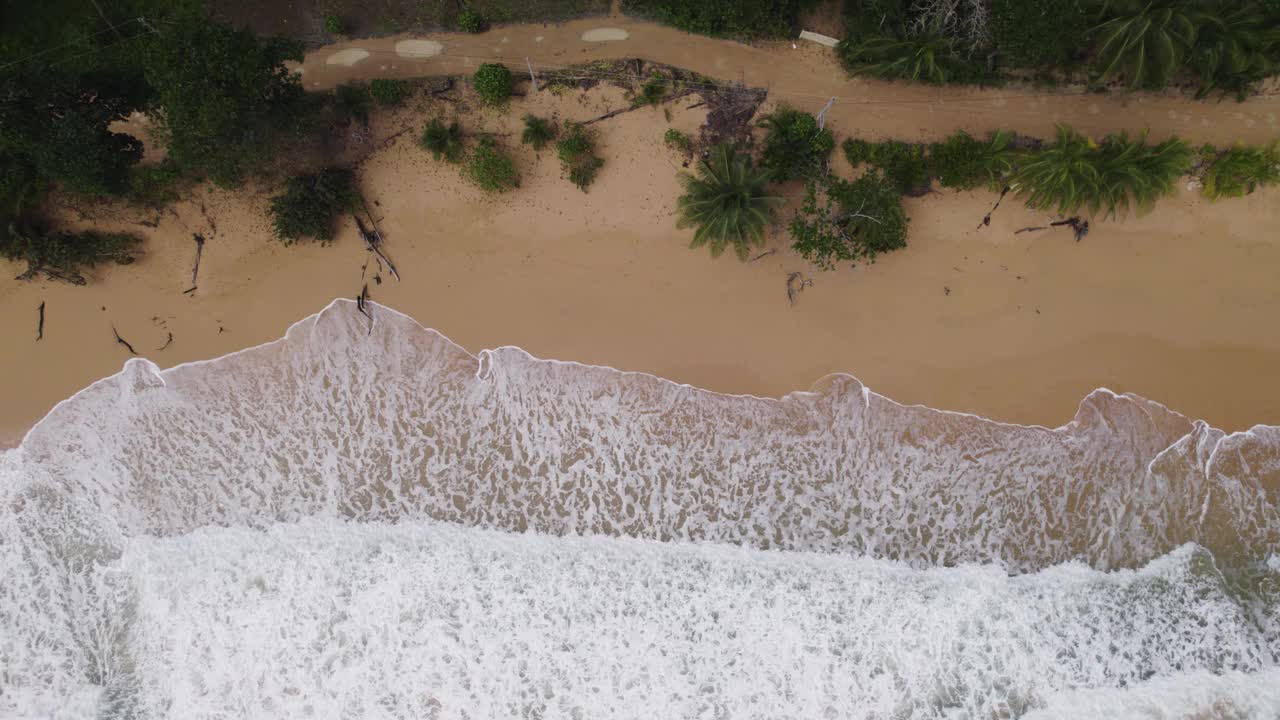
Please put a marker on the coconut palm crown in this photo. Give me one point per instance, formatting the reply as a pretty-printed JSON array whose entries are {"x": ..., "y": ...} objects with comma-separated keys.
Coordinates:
[{"x": 727, "y": 202}]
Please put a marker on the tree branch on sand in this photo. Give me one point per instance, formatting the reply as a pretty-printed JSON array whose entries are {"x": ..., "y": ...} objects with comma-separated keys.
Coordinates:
[
  {"x": 122, "y": 341},
  {"x": 40, "y": 323},
  {"x": 195, "y": 266}
]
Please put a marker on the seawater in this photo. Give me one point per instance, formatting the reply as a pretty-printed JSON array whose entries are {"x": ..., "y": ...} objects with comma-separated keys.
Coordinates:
[{"x": 362, "y": 519}]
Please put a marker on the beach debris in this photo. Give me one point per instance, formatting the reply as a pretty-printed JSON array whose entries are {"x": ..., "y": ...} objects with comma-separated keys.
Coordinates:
[
  {"x": 1031, "y": 228},
  {"x": 1078, "y": 226},
  {"x": 796, "y": 282},
  {"x": 40, "y": 322},
  {"x": 122, "y": 341},
  {"x": 195, "y": 267},
  {"x": 946, "y": 290},
  {"x": 166, "y": 344},
  {"x": 373, "y": 241},
  {"x": 362, "y": 305},
  {"x": 766, "y": 253},
  {"x": 986, "y": 219},
  {"x": 189, "y": 290}
]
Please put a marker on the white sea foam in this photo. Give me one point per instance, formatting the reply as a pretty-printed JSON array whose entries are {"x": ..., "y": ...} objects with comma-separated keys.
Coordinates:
[
  {"x": 211, "y": 541},
  {"x": 397, "y": 422}
]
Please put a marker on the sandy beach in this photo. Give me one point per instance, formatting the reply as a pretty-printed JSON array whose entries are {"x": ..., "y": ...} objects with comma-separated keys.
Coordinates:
[{"x": 1178, "y": 305}]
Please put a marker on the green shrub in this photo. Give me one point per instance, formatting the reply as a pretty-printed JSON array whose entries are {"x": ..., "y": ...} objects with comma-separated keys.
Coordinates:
[
  {"x": 63, "y": 255},
  {"x": 442, "y": 141},
  {"x": 386, "y": 91},
  {"x": 964, "y": 162},
  {"x": 747, "y": 19},
  {"x": 537, "y": 132},
  {"x": 727, "y": 201},
  {"x": 856, "y": 221},
  {"x": 333, "y": 24},
  {"x": 471, "y": 21},
  {"x": 577, "y": 154},
  {"x": 154, "y": 185},
  {"x": 794, "y": 147},
  {"x": 652, "y": 91},
  {"x": 1241, "y": 170},
  {"x": 352, "y": 102},
  {"x": 491, "y": 168},
  {"x": 493, "y": 83},
  {"x": 1040, "y": 34},
  {"x": 678, "y": 141},
  {"x": 310, "y": 203},
  {"x": 904, "y": 166}
]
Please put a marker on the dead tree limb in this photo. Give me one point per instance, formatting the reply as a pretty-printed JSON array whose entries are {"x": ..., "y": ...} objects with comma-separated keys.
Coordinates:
[
  {"x": 373, "y": 241},
  {"x": 362, "y": 305},
  {"x": 766, "y": 253},
  {"x": 189, "y": 290},
  {"x": 40, "y": 323},
  {"x": 195, "y": 266},
  {"x": 986, "y": 219},
  {"x": 619, "y": 111},
  {"x": 794, "y": 288},
  {"x": 122, "y": 341},
  {"x": 1078, "y": 226},
  {"x": 1031, "y": 228},
  {"x": 166, "y": 344}
]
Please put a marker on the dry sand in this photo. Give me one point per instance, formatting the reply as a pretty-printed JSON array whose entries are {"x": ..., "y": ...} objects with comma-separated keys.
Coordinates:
[{"x": 1178, "y": 305}]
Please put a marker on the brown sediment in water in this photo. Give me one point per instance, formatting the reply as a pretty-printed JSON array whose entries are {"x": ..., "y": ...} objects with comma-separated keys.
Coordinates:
[{"x": 1177, "y": 305}]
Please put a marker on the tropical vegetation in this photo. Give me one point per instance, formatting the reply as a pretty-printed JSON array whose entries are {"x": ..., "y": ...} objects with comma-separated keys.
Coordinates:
[
  {"x": 794, "y": 145},
  {"x": 387, "y": 91},
  {"x": 964, "y": 162},
  {"x": 442, "y": 141},
  {"x": 727, "y": 202},
  {"x": 904, "y": 166},
  {"x": 1241, "y": 169},
  {"x": 493, "y": 83},
  {"x": 577, "y": 152},
  {"x": 491, "y": 168},
  {"x": 747, "y": 19},
  {"x": 310, "y": 203},
  {"x": 852, "y": 221},
  {"x": 537, "y": 132}
]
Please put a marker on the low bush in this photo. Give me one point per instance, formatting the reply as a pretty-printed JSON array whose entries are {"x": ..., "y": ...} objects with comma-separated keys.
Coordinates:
[
  {"x": 1242, "y": 169},
  {"x": 652, "y": 91},
  {"x": 471, "y": 21},
  {"x": 903, "y": 165},
  {"x": 537, "y": 132},
  {"x": 386, "y": 91},
  {"x": 577, "y": 154},
  {"x": 491, "y": 168},
  {"x": 964, "y": 162},
  {"x": 442, "y": 141},
  {"x": 310, "y": 203},
  {"x": 493, "y": 83},
  {"x": 794, "y": 146},
  {"x": 854, "y": 221},
  {"x": 64, "y": 255}
]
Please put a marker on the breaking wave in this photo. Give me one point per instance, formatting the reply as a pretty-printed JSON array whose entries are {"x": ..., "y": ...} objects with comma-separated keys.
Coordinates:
[{"x": 322, "y": 526}]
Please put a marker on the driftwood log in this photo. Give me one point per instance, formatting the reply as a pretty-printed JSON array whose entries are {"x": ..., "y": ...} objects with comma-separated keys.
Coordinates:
[{"x": 40, "y": 322}]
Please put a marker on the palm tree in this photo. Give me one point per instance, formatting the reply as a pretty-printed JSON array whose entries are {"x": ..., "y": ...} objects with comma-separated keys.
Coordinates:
[
  {"x": 537, "y": 132},
  {"x": 1123, "y": 172},
  {"x": 1235, "y": 48},
  {"x": 726, "y": 201},
  {"x": 443, "y": 141},
  {"x": 1241, "y": 170},
  {"x": 927, "y": 57},
  {"x": 1145, "y": 41}
]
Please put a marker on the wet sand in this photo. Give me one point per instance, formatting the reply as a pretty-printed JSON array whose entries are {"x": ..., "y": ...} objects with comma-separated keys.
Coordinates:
[{"x": 1178, "y": 305}]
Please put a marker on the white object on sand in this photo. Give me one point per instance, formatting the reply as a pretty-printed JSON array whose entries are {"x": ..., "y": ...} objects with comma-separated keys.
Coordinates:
[
  {"x": 418, "y": 48},
  {"x": 820, "y": 39},
  {"x": 347, "y": 57},
  {"x": 605, "y": 35}
]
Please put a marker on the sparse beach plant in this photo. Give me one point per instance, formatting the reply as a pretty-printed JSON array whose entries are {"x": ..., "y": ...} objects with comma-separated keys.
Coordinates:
[
  {"x": 493, "y": 83},
  {"x": 1242, "y": 169},
  {"x": 537, "y": 132},
  {"x": 491, "y": 168},
  {"x": 727, "y": 201},
  {"x": 794, "y": 145},
  {"x": 653, "y": 90},
  {"x": 310, "y": 203},
  {"x": 442, "y": 141},
  {"x": 851, "y": 221},
  {"x": 387, "y": 91},
  {"x": 577, "y": 154},
  {"x": 677, "y": 140}
]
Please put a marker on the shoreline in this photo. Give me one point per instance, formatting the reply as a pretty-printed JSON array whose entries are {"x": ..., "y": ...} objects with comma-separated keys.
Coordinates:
[{"x": 1172, "y": 305}]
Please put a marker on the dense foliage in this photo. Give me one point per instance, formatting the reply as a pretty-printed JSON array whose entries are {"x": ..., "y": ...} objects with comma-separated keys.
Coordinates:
[
  {"x": 794, "y": 146},
  {"x": 748, "y": 19},
  {"x": 1042, "y": 34},
  {"x": 442, "y": 141},
  {"x": 577, "y": 152},
  {"x": 1241, "y": 169},
  {"x": 963, "y": 162},
  {"x": 310, "y": 203},
  {"x": 386, "y": 91},
  {"x": 493, "y": 83},
  {"x": 727, "y": 203},
  {"x": 64, "y": 255},
  {"x": 930, "y": 58},
  {"x": 223, "y": 96},
  {"x": 491, "y": 168},
  {"x": 471, "y": 21},
  {"x": 904, "y": 166},
  {"x": 1074, "y": 172},
  {"x": 855, "y": 221},
  {"x": 537, "y": 132}
]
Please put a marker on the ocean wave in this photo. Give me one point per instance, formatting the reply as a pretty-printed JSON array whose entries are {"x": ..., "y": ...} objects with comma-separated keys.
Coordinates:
[{"x": 389, "y": 421}]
